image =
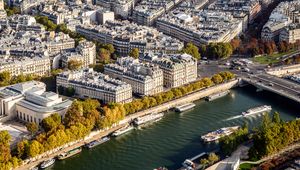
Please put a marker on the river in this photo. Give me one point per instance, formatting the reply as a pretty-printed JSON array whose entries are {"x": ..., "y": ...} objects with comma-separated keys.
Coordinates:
[{"x": 177, "y": 136}]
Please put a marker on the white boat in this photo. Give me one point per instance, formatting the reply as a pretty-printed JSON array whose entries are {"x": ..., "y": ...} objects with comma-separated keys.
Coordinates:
[
  {"x": 95, "y": 143},
  {"x": 47, "y": 163},
  {"x": 256, "y": 110},
  {"x": 184, "y": 107},
  {"x": 188, "y": 164},
  {"x": 123, "y": 130},
  {"x": 216, "y": 135},
  {"x": 148, "y": 118},
  {"x": 217, "y": 95}
]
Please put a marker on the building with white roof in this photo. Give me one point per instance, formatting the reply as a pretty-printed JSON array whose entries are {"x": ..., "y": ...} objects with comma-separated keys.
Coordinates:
[
  {"x": 30, "y": 102},
  {"x": 145, "y": 79},
  {"x": 90, "y": 84},
  {"x": 125, "y": 36},
  {"x": 178, "y": 69},
  {"x": 200, "y": 26}
]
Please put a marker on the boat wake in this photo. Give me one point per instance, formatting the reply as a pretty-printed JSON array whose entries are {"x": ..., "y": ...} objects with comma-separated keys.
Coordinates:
[{"x": 234, "y": 117}]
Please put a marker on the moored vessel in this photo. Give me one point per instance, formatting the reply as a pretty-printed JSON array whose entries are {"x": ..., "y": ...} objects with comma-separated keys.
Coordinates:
[
  {"x": 69, "y": 153},
  {"x": 47, "y": 163},
  {"x": 217, "y": 134},
  {"x": 148, "y": 118},
  {"x": 123, "y": 130},
  {"x": 184, "y": 107},
  {"x": 97, "y": 142},
  {"x": 217, "y": 95},
  {"x": 256, "y": 110}
]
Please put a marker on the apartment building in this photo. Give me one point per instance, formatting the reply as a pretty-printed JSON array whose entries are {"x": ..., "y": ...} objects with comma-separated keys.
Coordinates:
[
  {"x": 125, "y": 36},
  {"x": 145, "y": 79},
  {"x": 90, "y": 84},
  {"x": 178, "y": 69},
  {"x": 201, "y": 27},
  {"x": 290, "y": 34}
]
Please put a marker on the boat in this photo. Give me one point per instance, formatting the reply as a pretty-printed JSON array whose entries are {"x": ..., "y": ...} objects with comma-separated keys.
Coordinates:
[
  {"x": 256, "y": 110},
  {"x": 148, "y": 118},
  {"x": 47, "y": 163},
  {"x": 69, "y": 153},
  {"x": 217, "y": 134},
  {"x": 184, "y": 107},
  {"x": 188, "y": 164},
  {"x": 97, "y": 142},
  {"x": 217, "y": 95},
  {"x": 123, "y": 130}
]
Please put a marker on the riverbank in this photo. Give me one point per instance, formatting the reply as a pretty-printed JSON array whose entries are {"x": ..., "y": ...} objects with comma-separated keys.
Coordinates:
[{"x": 98, "y": 134}]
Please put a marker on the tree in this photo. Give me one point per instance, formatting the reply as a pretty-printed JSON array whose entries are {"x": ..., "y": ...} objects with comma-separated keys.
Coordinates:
[
  {"x": 74, "y": 64},
  {"x": 192, "y": 50},
  {"x": 104, "y": 55},
  {"x": 32, "y": 127},
  {"x": 235, "y": 43},
  {"x": 22, "y": 149},
  {"x": 70, "y": 91},
  {"x": 219, "y": 50},
  {"x": 217, "y": 79},
  {"x": 35, "y": 148},
  {"x": 204, "y": 162},
  {"x": 134, "y": 53},
  {"x": 51, "y": 122},
  {"x": 110, "y": 48},
  {"x": 212, "y": 157},
  {"x": 5, "y": 78}
]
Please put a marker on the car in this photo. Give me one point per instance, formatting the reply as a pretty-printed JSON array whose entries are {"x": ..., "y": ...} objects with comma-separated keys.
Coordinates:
[{"x": 271, "y": 84}]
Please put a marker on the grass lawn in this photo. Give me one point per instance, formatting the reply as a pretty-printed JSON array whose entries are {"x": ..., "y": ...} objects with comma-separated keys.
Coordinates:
[
  {"x": 270, "y": 59},
  {"x": 246, "y": 166}
]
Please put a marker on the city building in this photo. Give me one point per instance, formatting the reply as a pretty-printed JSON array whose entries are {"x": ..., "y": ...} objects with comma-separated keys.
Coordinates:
[
  {"x": 2, "y": 11},
  {"x": 281, "y": 17},
  {"x": 37, "y": 65},
  {"x": 90, "y": 84},
  {"x": 30, "y": 102},
  {"x": 121, "y": 8},
  {"x": 290, "y": 33},
  {"x": 125, "y": 36},
  {"x": 85, "y": 52},
  {"x": 178, "y": 69},
  {"x": 147, "y": 11},
  {"x": 106, "y": 16},
  {"x": 25, "y": 6},
  {"x": 200, "y": 27},
  {"x": 251, "y": 8},
  {"x": 145, "y": 79},
  {"x": 21, "y": 22}
]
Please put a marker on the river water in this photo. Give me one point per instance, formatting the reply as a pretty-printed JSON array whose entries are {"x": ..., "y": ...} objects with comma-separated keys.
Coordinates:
[{"x": 177, "y": 136}]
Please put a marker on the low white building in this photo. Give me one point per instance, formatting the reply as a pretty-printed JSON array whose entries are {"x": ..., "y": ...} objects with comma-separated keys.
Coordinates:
[{"x": 30, "y": 102}]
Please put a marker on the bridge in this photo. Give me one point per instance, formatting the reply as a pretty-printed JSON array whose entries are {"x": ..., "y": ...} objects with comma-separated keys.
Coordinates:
[{"x": 280, "y": 86}]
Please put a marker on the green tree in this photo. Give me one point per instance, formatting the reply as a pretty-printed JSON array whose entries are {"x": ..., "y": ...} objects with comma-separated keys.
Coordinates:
[
  {"x": 212, "y": 158},
  {"x": 134, "y": 53},
  {"x": 204, "y": 162},
  {"x": 69, "y": 91},
  {"x": 5, "y": 78},
  {"x": 22, "y": 149},
  {"x": 217, "y": 79},
  {"x": 74, "y": 64},
  {"x": 104, "y": 55},
  {"x": 32, "y": 127},
  {"x": 192, "y": 50},
  {"x": 35, "y": 148},
  {"x": 51, "y": 122},
  {"x": 110, "y": 48}
]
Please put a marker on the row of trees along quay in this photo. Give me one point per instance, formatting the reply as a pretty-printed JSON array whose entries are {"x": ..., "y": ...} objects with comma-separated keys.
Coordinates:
[{"x": 84, "y": 116}]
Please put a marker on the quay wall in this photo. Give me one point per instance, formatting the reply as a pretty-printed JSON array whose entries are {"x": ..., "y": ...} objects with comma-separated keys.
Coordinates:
[{"x": 285, "y": 70}]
